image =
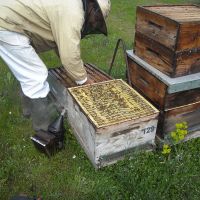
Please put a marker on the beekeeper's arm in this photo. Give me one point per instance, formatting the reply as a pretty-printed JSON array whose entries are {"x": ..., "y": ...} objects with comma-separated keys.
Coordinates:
[{"x": 66, "y": 31}]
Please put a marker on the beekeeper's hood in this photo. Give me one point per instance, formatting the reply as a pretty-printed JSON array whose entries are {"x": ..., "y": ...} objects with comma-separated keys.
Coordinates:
[{"x": 96, "y": 12}]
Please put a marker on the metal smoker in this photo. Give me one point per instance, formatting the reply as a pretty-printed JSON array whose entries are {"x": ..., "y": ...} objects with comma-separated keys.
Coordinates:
[{"x": 53, "y": 140}]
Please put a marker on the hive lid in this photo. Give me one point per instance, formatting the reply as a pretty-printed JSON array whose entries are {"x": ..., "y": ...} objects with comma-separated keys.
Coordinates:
[
  {"x": 111, "y": 102},
  {"x": 179, "y": 13}
]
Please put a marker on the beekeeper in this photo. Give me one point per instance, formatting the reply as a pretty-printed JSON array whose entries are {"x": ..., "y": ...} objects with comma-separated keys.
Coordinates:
[{"x": 30, "y": 26}]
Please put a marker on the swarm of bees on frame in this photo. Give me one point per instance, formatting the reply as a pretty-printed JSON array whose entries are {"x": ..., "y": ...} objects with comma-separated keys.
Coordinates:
[{"x": 111, "y": 102}]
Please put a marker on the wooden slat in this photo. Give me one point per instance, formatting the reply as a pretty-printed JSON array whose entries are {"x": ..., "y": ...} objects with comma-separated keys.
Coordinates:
[
  {"x": 178, "y": 13},
  {"x": 154, "y": 53},
  {"x": 147, "y": 84},
  {"x": 157, "y": 27},
  {"x": 189, "y": 113},
  {"x": 99, "y": 73},
  {"x": 182, "y": 98},
  {"x": 173, "y": 64},
  {"x": 189, "y": 36},
  {"x": 154, "y": 26},
  {"x": 94, "y": 74}
]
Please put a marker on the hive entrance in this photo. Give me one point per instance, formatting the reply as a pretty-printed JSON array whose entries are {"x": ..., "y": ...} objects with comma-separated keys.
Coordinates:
[{"x": 111, "y": 102}]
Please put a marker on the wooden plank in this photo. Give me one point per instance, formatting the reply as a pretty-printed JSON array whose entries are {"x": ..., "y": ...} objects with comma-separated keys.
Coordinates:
[
  {"x": 154, "y": 53},
  {"x": 189, "y": 113},
  {"x": 173, "y": 64},
  {"x": 151, "y": 87},
  {"x": 187, "y": 63},
  {"x": 116, "y": 141},
  {"x": 101, "y": 75},
  {"x": 65, "y": 77},
  {"x": 83, "y": 130},
  {"x": 189, "y": 36},
  {"x": 192, "y": 135},
  {"x": 157, "y": 27},
  {"x": 182, "y": 98},
  {"x": 180, "y": 13}
]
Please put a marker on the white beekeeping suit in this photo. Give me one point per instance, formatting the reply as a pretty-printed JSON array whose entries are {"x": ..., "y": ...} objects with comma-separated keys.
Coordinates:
[{"x": 30, "y": 26}]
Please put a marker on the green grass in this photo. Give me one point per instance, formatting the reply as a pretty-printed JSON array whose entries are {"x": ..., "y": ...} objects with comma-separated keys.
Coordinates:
[{"x": 143, "y": 175}]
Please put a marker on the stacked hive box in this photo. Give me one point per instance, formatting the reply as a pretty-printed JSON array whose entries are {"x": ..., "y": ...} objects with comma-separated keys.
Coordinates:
[
  {"x": 168, "y": 38},
  {"x": 108, "y": 117},
  {"x": 165, "y": 64}
]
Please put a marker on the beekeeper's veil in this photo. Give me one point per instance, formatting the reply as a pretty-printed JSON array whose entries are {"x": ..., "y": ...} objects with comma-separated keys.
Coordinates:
[{"x": 96, "y": 12}]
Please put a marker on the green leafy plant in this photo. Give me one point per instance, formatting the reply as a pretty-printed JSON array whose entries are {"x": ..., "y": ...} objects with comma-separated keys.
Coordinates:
[
  {"x": 180, "y": 132},
  {"x": 166, "y": 149},
  {"x": 175, "y": 137}
]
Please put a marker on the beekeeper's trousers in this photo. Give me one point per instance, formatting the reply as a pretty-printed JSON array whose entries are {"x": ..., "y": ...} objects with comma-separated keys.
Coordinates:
[{"x": 26, "y": 65}]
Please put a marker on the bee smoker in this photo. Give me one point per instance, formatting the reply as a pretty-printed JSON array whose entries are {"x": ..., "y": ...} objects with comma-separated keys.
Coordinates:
[{"x": 53, "y": 140}]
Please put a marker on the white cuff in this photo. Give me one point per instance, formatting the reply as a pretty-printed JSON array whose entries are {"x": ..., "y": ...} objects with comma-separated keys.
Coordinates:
[{"x": 81, "y": 82}]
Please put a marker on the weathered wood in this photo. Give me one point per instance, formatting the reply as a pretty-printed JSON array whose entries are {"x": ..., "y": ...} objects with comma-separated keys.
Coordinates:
[
  {"x": 174, "y": 26},
  {"x": 189, "y": 113},
  {"x": 179, "y": 13},
  {"x": 178, "y": 84},
  {"x": 173, "y": 64},
  {"x": 168, "y": 37},
  {"x": 182, "y": 98},
  {"x": 107, "y": 141},
  {"x": 157, "y": 27},
  {"x": 147, "y": 84},
  {"x": 59, "y": 81},
  {"x": 94, "y": 74},
  {"x": 189, "y": 36},
  {"x": 106, "y": 148},
  {"x": 175, "y": 107},
  {"x": 155, "y": 54},
  {"x": 156, "y": 88}
]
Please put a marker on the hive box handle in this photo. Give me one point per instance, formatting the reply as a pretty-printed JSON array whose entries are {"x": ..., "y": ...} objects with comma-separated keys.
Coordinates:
[{"x": 155, "y": 25}]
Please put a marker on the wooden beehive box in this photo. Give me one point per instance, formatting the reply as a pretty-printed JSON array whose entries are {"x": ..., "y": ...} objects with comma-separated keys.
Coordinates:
[
  {"x": 164, "y": 92},
  {"x": 168, "y": 38},
  {"x": 189, "y": 113},
  {"x": 110, "y": 119},
  {"x": 178, "y": 99}
]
